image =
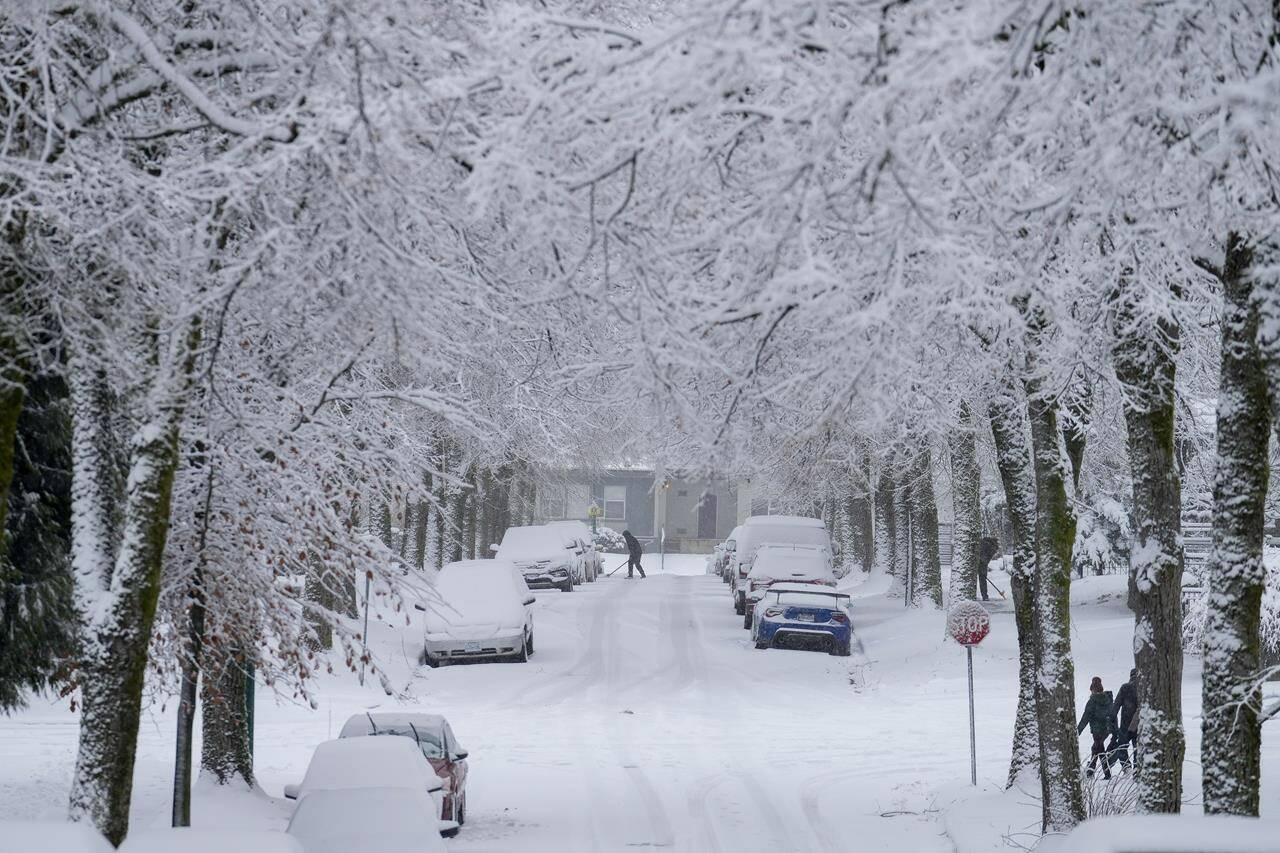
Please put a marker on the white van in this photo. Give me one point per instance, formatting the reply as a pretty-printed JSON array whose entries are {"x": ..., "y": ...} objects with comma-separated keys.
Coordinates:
[{"x": 780, "y": 529}]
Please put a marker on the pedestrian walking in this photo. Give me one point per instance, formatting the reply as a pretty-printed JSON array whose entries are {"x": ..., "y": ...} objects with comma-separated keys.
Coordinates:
[
  {"x": 1124, "y": 714},
  {"x": 634, "y": 551},
  {"x": 1097, "y": 718},
  {"x": 987, "y": 550}
]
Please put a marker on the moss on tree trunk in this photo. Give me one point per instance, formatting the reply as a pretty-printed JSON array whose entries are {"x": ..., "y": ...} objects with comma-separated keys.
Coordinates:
[{"x": 1144, "y": 352}]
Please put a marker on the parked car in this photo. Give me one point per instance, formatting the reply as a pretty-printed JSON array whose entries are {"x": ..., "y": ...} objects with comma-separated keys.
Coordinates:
[
  {"x": 483, "y": 612},
  {"x": 773, "y": 563},
  {"x": 759, "y": 529},
  {"x": 201, "y": 840},
  {"x": 718, "y": 562},
  {"x": 547, "y": 556},
  {"x": 433, "y": 735},
  {"x": 593, "y": 563},
  {"x": 364, "y": 820},
  {"x": 804, "y": 616},
  {"x": 51, "y": 836},
  {"x": 373, "y": 762}
]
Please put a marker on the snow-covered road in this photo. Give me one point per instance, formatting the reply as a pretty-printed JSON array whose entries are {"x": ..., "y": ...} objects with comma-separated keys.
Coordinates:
[{"x": 645, "y": 719}]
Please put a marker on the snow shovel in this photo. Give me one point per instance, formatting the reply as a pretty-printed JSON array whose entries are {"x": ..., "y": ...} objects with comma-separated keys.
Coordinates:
[
  {"x": 617, "y": 569},
  {"x": 998, "y": 590}
]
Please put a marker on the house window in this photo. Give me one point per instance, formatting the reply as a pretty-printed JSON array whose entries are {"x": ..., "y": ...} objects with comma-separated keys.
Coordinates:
[
  {"x": 615, "y": 503},
  {"x": 683, "y": 493}
]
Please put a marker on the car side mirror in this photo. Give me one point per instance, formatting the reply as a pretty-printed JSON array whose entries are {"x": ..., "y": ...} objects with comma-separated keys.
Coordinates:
[
  {"x": 420, "y": 606},
  {"x": 530, "y": 600},
  {"x": 460, "y": 755},
  {"x": 291, "y": 792},
  {"x": 493, "y": 547}
]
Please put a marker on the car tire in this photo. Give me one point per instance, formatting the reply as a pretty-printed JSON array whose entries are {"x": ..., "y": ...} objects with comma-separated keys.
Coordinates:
[
  {"x": 739, "y": 607},
  {"x": 529, "y": 644},
  {"x": 841, "y": 652},
  {"x": 567, "y": 586},
  {"x": 427, "y": 659},
  {"x": 462, "y": 811},
  {"x": 761, "y": 644},
  {"x": 746, "y": 619}
]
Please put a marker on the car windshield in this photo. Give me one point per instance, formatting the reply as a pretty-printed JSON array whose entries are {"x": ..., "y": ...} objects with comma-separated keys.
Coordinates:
[{"x": 427, "y": 739}]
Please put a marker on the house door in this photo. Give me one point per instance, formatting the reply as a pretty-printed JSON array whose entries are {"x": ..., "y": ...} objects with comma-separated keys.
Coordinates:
[{"x": 707, "y": 517}]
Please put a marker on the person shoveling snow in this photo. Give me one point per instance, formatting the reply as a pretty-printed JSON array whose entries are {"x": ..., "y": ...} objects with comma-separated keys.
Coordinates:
[{"x": 634, "y": 552}]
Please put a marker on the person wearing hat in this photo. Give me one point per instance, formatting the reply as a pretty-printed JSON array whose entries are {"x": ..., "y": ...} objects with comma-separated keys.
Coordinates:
[
  {"x": 1097, "y": 717},
  {"x": 634, "y": 550}
]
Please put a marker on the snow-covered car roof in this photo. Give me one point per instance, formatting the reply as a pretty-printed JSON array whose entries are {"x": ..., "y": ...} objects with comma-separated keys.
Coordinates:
[
  {"x": 389, "y": 820},
  {"x": 202, "y": 840},
  {"x": 368, "y": 762},
  {"x": 753, "y": 536},
  {"x": 579, "y": 528},
  {"x": 789, "y": 520},
  {"x": 477, "y": 592},
  {"x": 538, "y": 540},
  {"x": 783, "y": 563},
  {"x": 51, "y": 835}
]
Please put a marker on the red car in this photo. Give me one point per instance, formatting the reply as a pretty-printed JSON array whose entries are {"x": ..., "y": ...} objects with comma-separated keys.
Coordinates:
[{"x": 436, "y": 740}]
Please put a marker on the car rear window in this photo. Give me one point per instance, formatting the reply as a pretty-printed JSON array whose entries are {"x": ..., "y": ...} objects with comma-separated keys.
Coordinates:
[{"x": 805, "y": 599}]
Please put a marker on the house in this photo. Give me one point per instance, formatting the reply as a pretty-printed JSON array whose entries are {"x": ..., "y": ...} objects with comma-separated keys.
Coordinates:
[{"x": 693, "y": 513}]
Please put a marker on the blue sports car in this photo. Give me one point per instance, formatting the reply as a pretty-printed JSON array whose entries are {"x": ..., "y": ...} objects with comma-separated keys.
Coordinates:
[{"x": 803, "y": 616}]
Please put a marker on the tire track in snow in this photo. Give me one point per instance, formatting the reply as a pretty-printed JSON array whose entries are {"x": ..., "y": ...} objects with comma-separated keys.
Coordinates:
[
  {"x": 696, "y": 796},
  {"x": 589, "y": 668}
]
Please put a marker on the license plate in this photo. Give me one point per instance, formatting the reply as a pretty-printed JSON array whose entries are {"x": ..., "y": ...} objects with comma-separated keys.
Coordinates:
[
  {"x": 471, "y": 647},
  {"x": 804, "y": 617}
]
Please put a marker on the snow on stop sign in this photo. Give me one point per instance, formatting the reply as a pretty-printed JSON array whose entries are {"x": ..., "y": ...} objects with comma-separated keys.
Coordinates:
[{"x": 968, "y": 622}]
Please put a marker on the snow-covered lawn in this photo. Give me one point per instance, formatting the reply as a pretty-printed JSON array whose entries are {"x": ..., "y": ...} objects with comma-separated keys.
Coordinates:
[{"x": 646, "y": 720}]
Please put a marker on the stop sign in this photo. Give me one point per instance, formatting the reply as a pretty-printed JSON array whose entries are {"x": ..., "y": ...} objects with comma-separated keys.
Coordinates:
[{"x": 968, "y": 622}]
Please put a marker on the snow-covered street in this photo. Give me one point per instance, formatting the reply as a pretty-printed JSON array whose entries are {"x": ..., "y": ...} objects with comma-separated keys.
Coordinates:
[{"x": 646, "y": 720}]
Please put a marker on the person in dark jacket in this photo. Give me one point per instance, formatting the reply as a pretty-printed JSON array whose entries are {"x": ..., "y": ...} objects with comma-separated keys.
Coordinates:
[
  {"x": 1126, "y": 706},
  {"x": 1097, "y": 717},
  {"x": 634, "y": 550},
  {"x": 987, "y": 550}
]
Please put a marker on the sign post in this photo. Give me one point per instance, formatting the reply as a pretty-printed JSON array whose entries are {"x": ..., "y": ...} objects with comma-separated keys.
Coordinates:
[{"x": 968, "y": 623}]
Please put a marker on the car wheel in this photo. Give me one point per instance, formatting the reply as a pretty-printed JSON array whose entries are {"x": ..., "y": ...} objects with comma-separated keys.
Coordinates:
[
  {"x": 746, "y": 619},
  {"x": 528, "y": 645},
  {"x": 522, "y": 656},
  {"x": 462, "y": 811},
  {"x": 739, "y": 607},
  {"x": 428, "y": 659},
  {"x": 841, "y": 651},
  {"x": 761, "y": 644},
  {"x": 567, "y": 586}
]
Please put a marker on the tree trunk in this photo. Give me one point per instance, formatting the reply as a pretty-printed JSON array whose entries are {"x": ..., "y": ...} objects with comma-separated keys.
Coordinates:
[
  {"x": 901, "y": 538},
  {"x": 1230, "y": 749},
  {"x": 1063, "y": 805},
  {"x": 927, "y": 586},
  {"x": 966, "y": 488},
  {"x": 1146, "y": 345},
  {"x": 1013, "y": 459},
  {"x": 226, "y": 754},
  {"x": 886, "y": 533},
  {"x": 116, "y": 598}
]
